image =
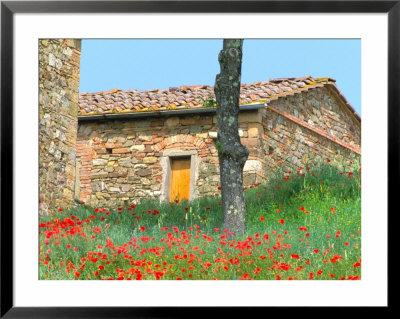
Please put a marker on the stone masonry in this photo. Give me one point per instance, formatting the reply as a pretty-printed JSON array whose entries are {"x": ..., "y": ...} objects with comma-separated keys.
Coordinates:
[
  {"x": 125, "y": 160},
  {"x": 59, "y": 62}
]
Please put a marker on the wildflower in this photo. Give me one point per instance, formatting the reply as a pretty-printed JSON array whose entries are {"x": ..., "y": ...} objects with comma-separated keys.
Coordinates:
[
  {"x": 262, "y": 218},
  {"x": 142, "y": 228},
  {"x": 282, "y": 221}
]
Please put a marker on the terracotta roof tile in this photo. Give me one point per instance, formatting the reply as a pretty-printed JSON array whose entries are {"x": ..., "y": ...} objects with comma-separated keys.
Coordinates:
[{"x": 194, "y": 96}]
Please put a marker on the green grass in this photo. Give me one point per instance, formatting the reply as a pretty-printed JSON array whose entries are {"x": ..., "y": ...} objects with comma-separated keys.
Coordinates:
[{"x": 301, "y": 223}]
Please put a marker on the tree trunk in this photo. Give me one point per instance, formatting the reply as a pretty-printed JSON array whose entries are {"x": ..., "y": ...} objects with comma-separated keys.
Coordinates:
[{"x": 232, "y": 154}]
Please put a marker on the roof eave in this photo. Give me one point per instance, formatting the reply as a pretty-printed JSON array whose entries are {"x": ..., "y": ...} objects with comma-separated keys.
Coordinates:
[{"x": 133, "y": 115}]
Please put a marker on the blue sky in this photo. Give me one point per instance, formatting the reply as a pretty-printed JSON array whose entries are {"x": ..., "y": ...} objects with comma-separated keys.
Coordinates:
[{"x": 162, "y": 63}]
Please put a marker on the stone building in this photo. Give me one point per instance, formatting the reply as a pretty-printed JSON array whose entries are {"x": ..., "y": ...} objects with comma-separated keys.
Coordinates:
[
  {"x": 133, "y": 145},
  {"x": 116, "y": 146}
]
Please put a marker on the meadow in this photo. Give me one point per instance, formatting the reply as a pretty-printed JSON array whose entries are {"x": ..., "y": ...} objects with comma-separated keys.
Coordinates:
[{"x": 302, "y": 225}]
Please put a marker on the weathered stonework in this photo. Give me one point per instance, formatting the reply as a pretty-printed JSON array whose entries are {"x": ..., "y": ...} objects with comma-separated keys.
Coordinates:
[
  {"x": 59, "y": 61},
  {"x": 310, "y": 126},
  {"x": 126, "y": 160}
]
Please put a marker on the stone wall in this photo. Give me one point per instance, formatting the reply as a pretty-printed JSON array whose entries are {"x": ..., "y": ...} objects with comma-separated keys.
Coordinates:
[
  {"x": 59, "y": 61},
  {"x": 322, "y": 108},
  {"x": 309, "y": 127},
  {"x": 126, "y": 160}
]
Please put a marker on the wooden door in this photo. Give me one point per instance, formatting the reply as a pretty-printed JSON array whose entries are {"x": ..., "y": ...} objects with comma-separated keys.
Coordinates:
[{"x": 180, "y": 179}]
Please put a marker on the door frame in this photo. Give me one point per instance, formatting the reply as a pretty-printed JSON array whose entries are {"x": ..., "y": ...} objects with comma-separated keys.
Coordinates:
[{"x": 166, "y": 163}]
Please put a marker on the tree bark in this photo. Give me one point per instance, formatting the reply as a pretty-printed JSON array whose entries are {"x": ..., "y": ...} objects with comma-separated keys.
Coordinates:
[{"x": 232, "y": 154}]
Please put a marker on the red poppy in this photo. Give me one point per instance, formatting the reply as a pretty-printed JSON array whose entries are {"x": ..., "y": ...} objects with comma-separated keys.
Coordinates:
[
  {"x": 142, "y": 228},
  {"x": 262, "y": 218},
  {"x": 282, "y": 221}
]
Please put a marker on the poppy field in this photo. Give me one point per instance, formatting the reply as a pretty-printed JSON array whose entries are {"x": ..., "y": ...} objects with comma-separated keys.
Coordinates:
[{"x": 302, "y": 225}]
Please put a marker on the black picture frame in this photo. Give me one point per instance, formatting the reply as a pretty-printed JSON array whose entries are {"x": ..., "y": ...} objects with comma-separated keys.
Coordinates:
[{"x": 9, "y": 8}]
